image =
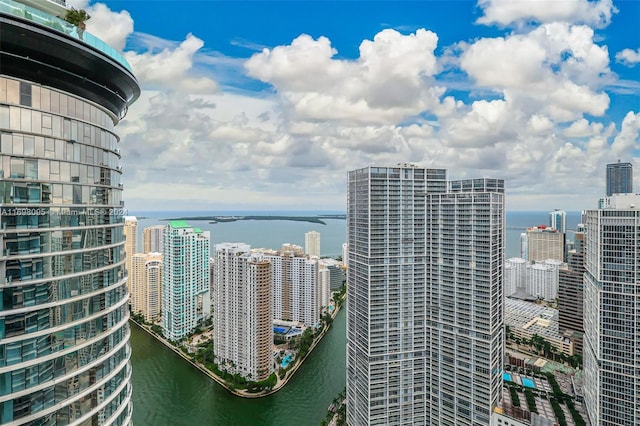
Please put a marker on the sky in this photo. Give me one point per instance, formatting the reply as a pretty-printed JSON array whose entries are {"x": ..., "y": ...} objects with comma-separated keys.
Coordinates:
[{"x": 265, "y": 105}]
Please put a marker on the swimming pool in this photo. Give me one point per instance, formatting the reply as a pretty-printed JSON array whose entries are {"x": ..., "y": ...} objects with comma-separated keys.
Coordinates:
[
  {"x": 279, "y": 330},
  {"x": 507, "y": 377},
  {"x": 286, "y": 361},
  {"x": 528, "y": 383}
]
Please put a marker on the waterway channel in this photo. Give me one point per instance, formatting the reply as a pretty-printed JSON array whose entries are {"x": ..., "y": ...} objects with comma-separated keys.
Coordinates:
[{"x": 169, "y": 391}]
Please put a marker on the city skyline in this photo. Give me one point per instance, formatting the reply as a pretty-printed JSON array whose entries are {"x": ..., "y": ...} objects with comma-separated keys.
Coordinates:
[{"x": 253, "y": 117}]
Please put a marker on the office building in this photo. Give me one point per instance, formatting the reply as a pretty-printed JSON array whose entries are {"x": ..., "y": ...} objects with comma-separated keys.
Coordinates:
[
  {"x": 242, "y": 317},
  {"x": 130, "y": 248},
  {"x": 312, "y": 243},
  {"x": 152, "y": 239},
  {"x": 64, "y": 333},
  {"x": 571, "y": 291},
  {"x": 619, "y": 178},
  {"x": 558, "y": 220},
  {"x": 146, "y": 285},
  {"x": 544, "y": 243},
  {"x": 424, "y": 346},
  {"x": 295, "y": 286},
  {"x": 185, "y": 279},
  {"x": 611, "y": 315}
]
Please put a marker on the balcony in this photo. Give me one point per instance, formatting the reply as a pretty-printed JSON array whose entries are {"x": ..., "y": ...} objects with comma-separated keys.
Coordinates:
[{"x": 20, "y": 10}]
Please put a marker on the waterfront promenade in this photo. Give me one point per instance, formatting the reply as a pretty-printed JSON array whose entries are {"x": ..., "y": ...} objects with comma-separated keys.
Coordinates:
[{"x": 281, "y": 382}]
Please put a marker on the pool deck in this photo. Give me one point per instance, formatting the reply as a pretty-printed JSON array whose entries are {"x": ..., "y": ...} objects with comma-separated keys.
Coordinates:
[{"x": 520, "y": 379}]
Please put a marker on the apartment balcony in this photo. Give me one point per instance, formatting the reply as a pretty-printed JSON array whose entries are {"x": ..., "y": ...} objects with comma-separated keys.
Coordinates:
[{"x": 39, "y": 46}]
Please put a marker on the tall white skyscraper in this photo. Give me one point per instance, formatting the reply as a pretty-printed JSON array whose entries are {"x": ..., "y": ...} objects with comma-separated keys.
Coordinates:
[
  {"x": 130, "y": 248},
  {"x": 153, "y": 239},
  {"x": 185, "y": 281},
  {"x": 425, "y": 327},
  {"x": 242, "y": 317},
  {"x": 312, "y": 243},
  {"x": 612, "y": 312}
]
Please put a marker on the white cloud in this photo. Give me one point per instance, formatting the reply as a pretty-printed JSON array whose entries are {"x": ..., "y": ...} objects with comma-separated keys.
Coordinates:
[
  {"x": 533, "y": 111},
  {"x": 505, "y": 12},
  {"x": 111, "y": 27},
  {"x": 171, "y": 67},
  {"x": 391, "y": 79},
  {"x": 627, "y": 141},
  {"x": 555, "y": 69},
  {"x": 628, "y": 57},
  {"x": 578, "y": 129}
]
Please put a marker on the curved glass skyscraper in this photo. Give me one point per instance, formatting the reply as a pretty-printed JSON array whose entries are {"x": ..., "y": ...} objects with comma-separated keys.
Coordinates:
[{"x": 64, "y": 334}]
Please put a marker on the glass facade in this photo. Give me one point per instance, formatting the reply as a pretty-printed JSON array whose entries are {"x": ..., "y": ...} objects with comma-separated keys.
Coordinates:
[
  {"x": 64, "y": 353},
  {"x": 619, "y": 178},
  {"x": 611, "y": 313},
  {"x": 425, "y": 315},
  {"x": 64, "y": 333}
]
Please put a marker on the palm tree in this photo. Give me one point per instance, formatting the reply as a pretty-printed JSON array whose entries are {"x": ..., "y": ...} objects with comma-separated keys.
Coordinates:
[{"x": 78, "y": 18}]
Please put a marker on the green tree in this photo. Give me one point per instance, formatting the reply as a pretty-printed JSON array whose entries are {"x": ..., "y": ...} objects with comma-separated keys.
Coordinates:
[{"x": 78, "y": 18}]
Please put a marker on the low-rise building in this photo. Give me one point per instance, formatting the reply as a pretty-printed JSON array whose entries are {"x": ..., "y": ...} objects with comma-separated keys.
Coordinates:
[{"x": 526, "y": 319}]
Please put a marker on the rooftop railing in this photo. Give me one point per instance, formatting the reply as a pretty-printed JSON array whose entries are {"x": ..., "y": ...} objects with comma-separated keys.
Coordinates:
[{"x": 23, "y": 11}]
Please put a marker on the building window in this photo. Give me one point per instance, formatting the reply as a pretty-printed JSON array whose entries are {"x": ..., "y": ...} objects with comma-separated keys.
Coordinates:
[{"x": 25, "y": 94}]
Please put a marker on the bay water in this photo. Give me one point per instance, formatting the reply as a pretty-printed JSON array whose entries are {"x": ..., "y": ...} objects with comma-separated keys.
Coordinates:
[{"x": 169, "y": 391}]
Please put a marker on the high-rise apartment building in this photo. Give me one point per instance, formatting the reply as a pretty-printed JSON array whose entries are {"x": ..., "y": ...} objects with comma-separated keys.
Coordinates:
[
  {"x": 544, "y": 243},
  {"x": 558, "y": 220},
  {"x": 130, "y": 248},
  {"x": 324, "y": 284},
  {"x": 619, "y": 178},
  {"x": 153, "y": 239},
  {"x": 312, "y": 243},
  {"x": 64, "y": 333},
  {"x": 242, "y": 317},
  {"x": 611, "y": 312},
  {"x": 542, "y": 279},
  {"x": 185, "y": 279},
  {"x": 425, "y": 326},
  {"x": 515, "y": 276},
  {"x": 146, "y": 284},
  {"x": 538, "y": 280},
  {"x": 295, "y": 285}
]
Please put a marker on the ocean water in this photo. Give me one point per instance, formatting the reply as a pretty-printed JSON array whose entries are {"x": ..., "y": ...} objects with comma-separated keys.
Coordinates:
[
  {"x": 519, "y": 221},
  {"x": 273, "y": 233},
  {"x": 258, "y": 233}
]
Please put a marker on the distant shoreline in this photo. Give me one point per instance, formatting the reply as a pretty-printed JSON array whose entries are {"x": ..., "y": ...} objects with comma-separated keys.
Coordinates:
[{"x": 225, "y": 219}]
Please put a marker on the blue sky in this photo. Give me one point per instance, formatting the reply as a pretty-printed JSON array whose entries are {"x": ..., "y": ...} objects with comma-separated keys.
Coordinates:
[{"x": 267, "y": 105}]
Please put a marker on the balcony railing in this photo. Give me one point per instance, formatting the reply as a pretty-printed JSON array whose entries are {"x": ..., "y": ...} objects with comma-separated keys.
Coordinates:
[{"x": 23, "y": 11}]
